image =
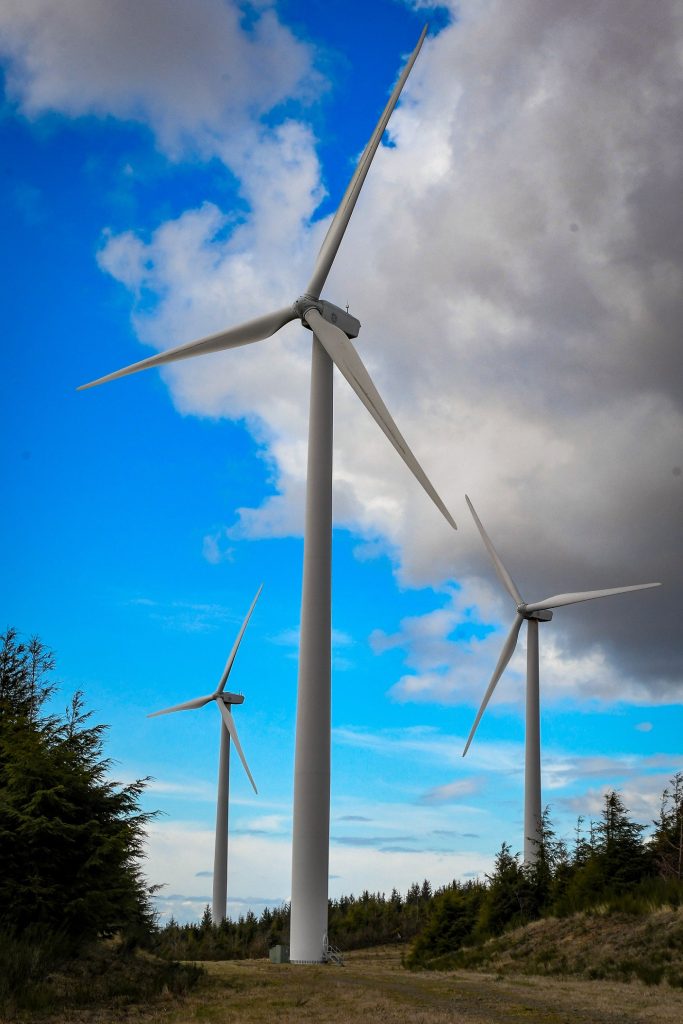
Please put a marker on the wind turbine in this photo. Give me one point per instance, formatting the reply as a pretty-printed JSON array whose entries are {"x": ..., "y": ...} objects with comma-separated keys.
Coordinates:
[
  {"x": 223, "y": 701},
  {"x": 533, "y": 613},
  {"x": 332, "y": 329}
]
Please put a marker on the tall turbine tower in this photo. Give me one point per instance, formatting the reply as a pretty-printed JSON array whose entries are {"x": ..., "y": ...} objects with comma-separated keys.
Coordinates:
[
  {"x": 537, "y": 611},
  {"x": 224, "y": 702},
  {"x": 332, "y": 329}
]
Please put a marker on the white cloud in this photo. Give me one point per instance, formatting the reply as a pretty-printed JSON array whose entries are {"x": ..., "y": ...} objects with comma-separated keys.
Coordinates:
[
  {"x": 185, "y": 616},
  {"x": 452, "y": 669},
  {"x": 515, "y": 259},
  {"x": 181, "y": 855},
  {"x": 214, "y": 548},
  {"x": 267, "y": 823},
  {"x": 641, "y": 801},
  {"x": 189, "y": 790},
  {"x": 451, "y": 792},
  {"x": 354, "y": 870},
  {"x": 504, "y": 759},
  {"x": 537, "y": 286},
  {"x": 193, "y": 72},
  {"x": 430, "y": 745}
]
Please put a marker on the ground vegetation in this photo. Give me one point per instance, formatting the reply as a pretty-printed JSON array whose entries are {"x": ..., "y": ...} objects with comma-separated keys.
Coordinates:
[{"x": 72, "y": 845}]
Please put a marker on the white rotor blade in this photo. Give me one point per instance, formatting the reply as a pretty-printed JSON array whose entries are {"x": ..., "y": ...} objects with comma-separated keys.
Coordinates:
[
  {"x": 335, "y": 233},
  {"x": 346, "y": 359},
  {"x": 588, "y": 595},
  {"x": 503, "y": 575},
  {"x": 505, "y": 655},
  {"x": 233, "y": 652},
  {"x": 232, "y": 729},
  {"x": 189, "y": 705},
  {"x": 243, "y": 334}
]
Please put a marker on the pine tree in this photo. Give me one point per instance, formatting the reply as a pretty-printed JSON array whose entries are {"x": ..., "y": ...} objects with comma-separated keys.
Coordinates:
[
  {"x": 666, "y": 844},
  {"x": 451, "y": 921},
  {"x": 619, "y": 845},
  {"x": 507, "y": 894},
  {"x": 582, "y": 847},
  {"x": 71, "y": 838},
  {"x": 548, "y": 872}
]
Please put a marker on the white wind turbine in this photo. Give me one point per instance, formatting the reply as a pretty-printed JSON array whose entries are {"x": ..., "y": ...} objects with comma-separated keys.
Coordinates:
[
  {"x": 533, "y": 613},
  {"x": 332, "y": 329},
  {"x": 224, "y": 701}
]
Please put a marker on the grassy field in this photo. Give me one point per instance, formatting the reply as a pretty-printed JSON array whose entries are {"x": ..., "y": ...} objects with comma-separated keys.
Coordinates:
[
  {"x": 372, "y": 986},
  {"x": 595, "y": 946}
]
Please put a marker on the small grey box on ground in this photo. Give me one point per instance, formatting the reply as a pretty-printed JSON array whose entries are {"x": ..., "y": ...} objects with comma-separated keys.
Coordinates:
[{"x": 279, "y": 954}]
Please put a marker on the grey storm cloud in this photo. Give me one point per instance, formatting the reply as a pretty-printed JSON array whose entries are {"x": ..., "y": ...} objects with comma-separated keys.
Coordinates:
[{"x": 521, "y": 311}]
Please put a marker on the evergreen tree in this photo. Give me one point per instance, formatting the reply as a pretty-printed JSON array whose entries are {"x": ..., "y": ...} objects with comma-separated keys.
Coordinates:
[
  {"x": 548, "y": 876},
  {"x": 24, "y": 687},
  {"x": 426, "y": 890},
  {"x": 507, "y": 893},
  {"x": 71, "y": 838},
  {"x": 450, "y": 923},
  {"x": 619, "y": 845},
  {"x": 666, "y": 844},
  {"x": 582, "y": 847}
]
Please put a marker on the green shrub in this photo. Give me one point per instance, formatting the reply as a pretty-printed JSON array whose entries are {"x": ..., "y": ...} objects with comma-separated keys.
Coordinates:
[{"x": 41, "y": 971}]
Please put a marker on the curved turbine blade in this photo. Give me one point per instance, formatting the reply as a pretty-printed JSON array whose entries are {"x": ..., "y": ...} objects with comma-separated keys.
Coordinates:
[
  {"x": 244, "y": 334},
  {"x": 189, "y": 705},
  {"x": 503, "y": 575},
  {"x": 588, "y": 595},
  {"x": 233, "y": 652},
  {"x": 505, "y": 655},
  {"x": 346, "y": 359},
  {"x": 335, "y": 233},
  {"x": 232, "y": 729}
]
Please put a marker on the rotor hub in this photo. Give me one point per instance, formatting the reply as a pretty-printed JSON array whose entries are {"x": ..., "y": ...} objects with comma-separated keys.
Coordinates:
[
  {"x": 341, "y": 318},
  {"x": 303, "y": 304}
]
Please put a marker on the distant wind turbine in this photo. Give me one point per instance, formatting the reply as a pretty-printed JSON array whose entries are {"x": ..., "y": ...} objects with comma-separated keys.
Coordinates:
[
  {"x": 332, "y": 329},
  {"x": 537, "y": 611},
  {"x": 224, "y": 702}
]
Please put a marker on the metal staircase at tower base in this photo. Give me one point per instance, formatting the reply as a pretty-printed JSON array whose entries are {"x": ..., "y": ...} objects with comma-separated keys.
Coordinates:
[{"x": 332, "y": 955}]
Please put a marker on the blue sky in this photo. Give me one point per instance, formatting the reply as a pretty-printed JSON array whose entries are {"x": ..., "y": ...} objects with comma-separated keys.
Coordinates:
[{"x": 515, "y": 260}]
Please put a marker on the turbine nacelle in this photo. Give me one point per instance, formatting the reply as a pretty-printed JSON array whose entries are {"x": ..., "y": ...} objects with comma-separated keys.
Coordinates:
[
  {"x": 537, "y": 616},
  {"x": 332, "y": 314},
  {"x": 230, "y": 698}
]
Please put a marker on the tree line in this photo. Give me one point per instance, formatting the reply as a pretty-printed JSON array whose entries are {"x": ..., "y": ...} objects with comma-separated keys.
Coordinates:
[
  {"x": 72, "y": 844},
  {"x": 354, "y": 922},
  {"x": 610, "y": 865}
]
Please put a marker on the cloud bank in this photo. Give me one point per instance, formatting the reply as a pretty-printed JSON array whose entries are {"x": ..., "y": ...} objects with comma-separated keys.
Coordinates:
[{"x": 516, "y": 260}]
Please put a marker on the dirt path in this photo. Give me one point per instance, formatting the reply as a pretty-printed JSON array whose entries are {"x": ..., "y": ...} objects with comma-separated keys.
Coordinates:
[{"x": 373, "y": 987}]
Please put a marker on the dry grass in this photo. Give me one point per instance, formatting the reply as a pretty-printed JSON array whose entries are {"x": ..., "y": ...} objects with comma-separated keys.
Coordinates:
[
  {"x": 373, "y": 987},
  {"x": 611, "y": 947}
]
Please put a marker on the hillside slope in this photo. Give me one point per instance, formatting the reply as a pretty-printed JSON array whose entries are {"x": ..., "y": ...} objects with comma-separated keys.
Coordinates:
[{"x": 615, "y": 946}]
